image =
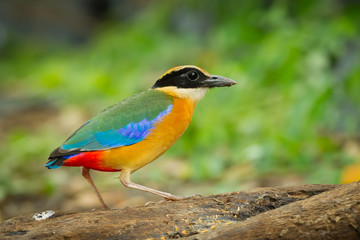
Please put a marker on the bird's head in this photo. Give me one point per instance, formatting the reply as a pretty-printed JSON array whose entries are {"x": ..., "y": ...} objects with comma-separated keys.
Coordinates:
[{"x": 190, "y": 82}]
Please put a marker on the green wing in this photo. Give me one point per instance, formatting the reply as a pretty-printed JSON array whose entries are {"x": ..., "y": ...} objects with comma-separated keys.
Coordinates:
[{"x": 125, "y": 123}]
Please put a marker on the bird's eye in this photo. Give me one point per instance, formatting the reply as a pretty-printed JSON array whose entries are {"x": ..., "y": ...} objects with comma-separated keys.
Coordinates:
[{"x": 193, "y": 76}]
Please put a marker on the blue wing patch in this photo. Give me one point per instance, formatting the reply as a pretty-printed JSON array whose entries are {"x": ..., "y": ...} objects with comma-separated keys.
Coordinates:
[{"x": 130, "y": 134}]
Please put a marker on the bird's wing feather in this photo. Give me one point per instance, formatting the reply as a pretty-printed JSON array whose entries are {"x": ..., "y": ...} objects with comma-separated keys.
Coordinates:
[{"x": 123, "y": 124}]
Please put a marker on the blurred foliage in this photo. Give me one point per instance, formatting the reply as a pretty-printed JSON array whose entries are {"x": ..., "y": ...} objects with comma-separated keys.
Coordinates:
[{"x": 295, "y": 108}]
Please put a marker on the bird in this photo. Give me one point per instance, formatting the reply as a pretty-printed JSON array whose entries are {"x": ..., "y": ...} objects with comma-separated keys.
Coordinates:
[{"x": 132, "y": 133}]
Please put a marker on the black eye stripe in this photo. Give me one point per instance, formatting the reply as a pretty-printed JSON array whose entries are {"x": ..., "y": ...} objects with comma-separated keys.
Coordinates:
[{"x": 187, "y": 77}]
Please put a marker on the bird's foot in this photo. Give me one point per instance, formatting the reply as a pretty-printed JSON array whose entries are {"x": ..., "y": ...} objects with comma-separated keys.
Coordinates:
[{"x": 177, "y": 198}]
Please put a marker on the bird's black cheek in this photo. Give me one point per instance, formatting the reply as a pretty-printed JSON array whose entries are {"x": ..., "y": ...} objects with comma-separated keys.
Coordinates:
[{"x": 181, "y": 82}]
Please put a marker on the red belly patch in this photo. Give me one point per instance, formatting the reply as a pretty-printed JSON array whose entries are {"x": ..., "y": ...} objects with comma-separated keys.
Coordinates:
[{"x": 93, "y": 160}]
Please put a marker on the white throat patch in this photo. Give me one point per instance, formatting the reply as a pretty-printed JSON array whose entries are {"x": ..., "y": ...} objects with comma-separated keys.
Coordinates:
[{"x": 194, "y": 94}]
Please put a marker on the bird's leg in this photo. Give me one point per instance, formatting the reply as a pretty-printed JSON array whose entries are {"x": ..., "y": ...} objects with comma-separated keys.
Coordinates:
[
  {"x": 125, "y": 180},
  {"x": 86, "y": 173}
]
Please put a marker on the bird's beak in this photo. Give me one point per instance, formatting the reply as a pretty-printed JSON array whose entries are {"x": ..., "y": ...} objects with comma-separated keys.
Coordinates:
[{"x": 218, "y": 81}]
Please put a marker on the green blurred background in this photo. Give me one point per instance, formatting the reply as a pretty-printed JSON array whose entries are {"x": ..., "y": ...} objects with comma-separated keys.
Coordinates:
[{"x": 293, "y": 118}]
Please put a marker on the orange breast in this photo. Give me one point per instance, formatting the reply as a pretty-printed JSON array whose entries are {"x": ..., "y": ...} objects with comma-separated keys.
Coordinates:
[{"x": 159, "y": 140}]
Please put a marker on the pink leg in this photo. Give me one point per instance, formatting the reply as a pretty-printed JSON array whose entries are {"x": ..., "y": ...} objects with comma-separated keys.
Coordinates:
[
  {"x": 125, "y": 180},
  {"x": 86, "y": 173}
]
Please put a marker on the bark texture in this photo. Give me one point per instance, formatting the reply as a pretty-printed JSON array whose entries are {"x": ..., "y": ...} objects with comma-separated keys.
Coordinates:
[{"x": 296, "y": 212}]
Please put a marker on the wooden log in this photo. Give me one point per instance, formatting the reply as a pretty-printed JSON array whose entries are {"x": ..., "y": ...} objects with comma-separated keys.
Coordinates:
[
  {"x": 306, "y": 211},
  {"x": 333, "y": 214}
]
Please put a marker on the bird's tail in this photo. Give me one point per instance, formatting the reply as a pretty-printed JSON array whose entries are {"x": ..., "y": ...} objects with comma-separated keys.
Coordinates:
[{"x": 55, "y": 162}]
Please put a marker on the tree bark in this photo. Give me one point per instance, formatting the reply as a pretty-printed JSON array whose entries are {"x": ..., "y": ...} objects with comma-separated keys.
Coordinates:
[{"x": 297, "y": 212}]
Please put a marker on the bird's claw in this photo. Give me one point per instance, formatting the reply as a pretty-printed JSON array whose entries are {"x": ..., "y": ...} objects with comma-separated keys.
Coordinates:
[{"x": 195, "y": 196}]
